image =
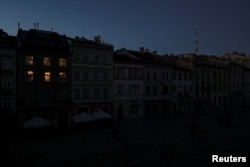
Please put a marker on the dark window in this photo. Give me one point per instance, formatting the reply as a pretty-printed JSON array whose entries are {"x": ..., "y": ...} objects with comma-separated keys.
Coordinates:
[
  {"x": 148, "y": 90},
  {"x": 155, "y": 90},
  {"x": 165, "y": 90}
]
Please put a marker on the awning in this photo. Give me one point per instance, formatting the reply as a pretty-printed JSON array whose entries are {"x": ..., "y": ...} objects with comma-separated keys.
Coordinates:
[
  {"x": 82, "y": 117},
  {"x": 101, "y": 115},
  {"x": 36, "y": 122}
]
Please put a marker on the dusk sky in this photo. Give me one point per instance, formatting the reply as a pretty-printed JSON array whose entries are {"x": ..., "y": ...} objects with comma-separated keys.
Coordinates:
[{"x": 167, "y": 26}]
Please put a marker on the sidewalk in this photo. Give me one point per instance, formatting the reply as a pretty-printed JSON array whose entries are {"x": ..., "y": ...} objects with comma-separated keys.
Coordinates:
[{"x": 147, "y": 139}]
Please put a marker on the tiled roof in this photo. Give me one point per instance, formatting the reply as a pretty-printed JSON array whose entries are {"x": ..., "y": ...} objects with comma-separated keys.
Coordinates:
[
  {"x": 90, "y": 43},
  {"x": 147, "y": 57},
  {"x": 125, "y": 59}
]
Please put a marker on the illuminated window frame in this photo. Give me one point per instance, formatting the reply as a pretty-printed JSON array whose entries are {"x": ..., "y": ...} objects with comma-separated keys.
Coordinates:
[
  {"x": 29, "y": 60},
  {"x": 62, "y": 76},
  {"x": 62, "y": 62},
  {"x": 29, "y": 75},
  {"x": 46, "y": 61},
  {"x": 47, "y": 76}
]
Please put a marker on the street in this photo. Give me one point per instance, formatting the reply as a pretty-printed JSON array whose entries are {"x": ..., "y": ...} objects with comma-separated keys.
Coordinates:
[{"x": 156, "y": 141}]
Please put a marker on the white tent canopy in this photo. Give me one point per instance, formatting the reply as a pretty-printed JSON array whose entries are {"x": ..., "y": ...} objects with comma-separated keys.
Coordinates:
[
  {"x": 82, "y": 117},
  {"x": 101, "y": 115},
  {"x": 36, "y": 122}
]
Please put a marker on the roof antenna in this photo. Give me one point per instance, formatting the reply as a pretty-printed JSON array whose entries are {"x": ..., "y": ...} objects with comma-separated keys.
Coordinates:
[
  {"x": 141, "y": 48},
  {"x": 18, "y": 25}
]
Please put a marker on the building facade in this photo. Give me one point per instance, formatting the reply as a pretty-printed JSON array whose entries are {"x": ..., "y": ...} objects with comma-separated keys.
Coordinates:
[
  {"x": 92, "y": 75},
  {"x": 128, "y": 86},
  {"x": 43, "y": 80},
  {"x": 182, "y": 87},
  {"x": 157, "y": 83},
  {"x": 8, "y": 73},
  {"x": 236, "y": 96},
  {"x": 8, "y": 121}
]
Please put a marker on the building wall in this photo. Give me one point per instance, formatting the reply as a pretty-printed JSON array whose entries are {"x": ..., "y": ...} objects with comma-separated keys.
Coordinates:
[
  {"x": 92, "y": 75},
  {"x": 43, "y": 76},
  {"x": 128, "y": 90},
  {"x": 182, "y": 90},
  {"x": 235, "y": 84},
  {"x": 246, "y": 86},
  {"x": 220, "y": 85},
  {"x": 8, "y": 79}
]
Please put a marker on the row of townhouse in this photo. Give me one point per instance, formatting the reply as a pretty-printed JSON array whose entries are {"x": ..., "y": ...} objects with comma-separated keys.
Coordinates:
[
  {"x": 50, "y": 75},
  {"x": 7, "y": 79},
  {"x": 218, "y": 82},
  {"x": 177, "y": 84},
  {"x": 147, "y": 84}
]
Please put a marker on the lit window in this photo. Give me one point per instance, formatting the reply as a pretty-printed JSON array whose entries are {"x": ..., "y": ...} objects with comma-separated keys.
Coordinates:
[
  {"x": 46, "y": 61},
  {"x": 62, "y": 76},
  {"x": 47, "y": 77},
  {"x": 29, "y": 76},
  {"x": 29, "y": 60},
  {"x": 62, "y": 62}
]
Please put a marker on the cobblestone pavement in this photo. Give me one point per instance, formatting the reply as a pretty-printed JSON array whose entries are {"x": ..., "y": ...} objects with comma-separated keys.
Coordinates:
[{"x": 156, "y": 141}]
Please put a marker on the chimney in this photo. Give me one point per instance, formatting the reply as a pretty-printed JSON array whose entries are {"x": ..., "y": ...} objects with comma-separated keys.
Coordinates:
[
  {"x": 154, "y": 52},
  {"x": 97, "y": 38}
]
